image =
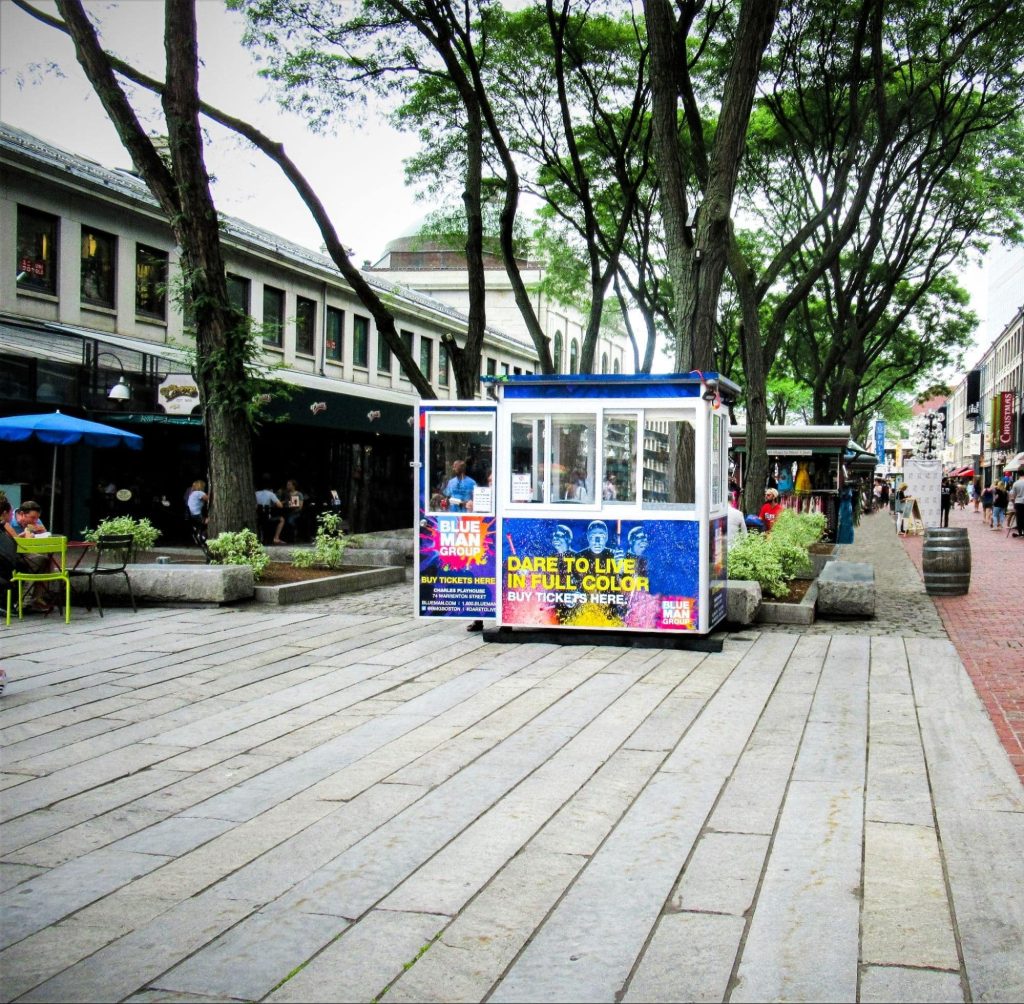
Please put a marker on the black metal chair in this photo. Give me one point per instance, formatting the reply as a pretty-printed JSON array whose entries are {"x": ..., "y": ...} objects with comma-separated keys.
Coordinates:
[{"x": 111, "y": 556}]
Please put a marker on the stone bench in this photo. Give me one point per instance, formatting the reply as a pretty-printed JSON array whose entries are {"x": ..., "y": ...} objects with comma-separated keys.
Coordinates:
[
  {"x": 742, "y": 601},
  {"x": 185, "y": 583},
  {"x": 846, "y": 589}
]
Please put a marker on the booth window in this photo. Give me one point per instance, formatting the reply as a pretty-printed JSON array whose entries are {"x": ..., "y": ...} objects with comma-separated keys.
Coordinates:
[
  {"x": 619, "y": 451},
  {"x": 468, "y": 438},
  {"x": 719, "y": 467},
  {"x": 573, "y": 438},
  {"x": 98, "y": 257},
  {"x": 273, "y": 316},
  {"x": 529, "y": 466},
  {"x": 670, "y": 445},
  {"x": 37, "y": 251},
  {"x": 335, "y": 333},
  {"x": 150, "y": 282}
]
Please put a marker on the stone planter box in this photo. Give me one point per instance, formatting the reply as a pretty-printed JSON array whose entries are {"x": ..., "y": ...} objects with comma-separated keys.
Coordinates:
[
  {"x": 772, "y": 612},
  {"x": 819, "y": 561},
  {"x": 331, "y": 585},
  {"x": 185, "y": 583}
]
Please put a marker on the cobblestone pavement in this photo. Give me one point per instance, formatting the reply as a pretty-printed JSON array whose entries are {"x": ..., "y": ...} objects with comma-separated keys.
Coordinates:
[
  {"x": 987, "y": 625},
  {"x": 336, "y": 802}
]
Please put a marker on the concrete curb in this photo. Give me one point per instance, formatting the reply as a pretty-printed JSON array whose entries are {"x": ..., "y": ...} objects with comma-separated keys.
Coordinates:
[{"x": 334, "y": 585}]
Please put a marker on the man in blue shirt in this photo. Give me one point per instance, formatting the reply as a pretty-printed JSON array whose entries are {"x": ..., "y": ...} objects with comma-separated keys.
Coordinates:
[{"x": 459, "y": 489}]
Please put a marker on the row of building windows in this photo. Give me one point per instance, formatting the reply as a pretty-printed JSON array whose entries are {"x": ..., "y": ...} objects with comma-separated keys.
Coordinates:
[
  {"x": 37, "y": 245},
  {"x": 37, "y": 264},
  {"x": 574, "y": 356}
]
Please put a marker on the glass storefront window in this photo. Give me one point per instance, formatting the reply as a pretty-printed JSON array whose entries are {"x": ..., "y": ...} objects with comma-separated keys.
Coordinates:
[
  {"x": 273, "y": 316},
  {"x": 98, "y": 258},
  {"x": 305, "y": 326},
  {"x": 670, "y": 460},
  {"x": 150, "y": 282},
  {"x": 335, "y": 337},
  {"x": 619, "y": 451},
  {"x": 37, "y": 251},
  {"x": 529, "y": 467},
  {"x": 238, "y": 292},
  {"x": 572, "y": 454},
  {"x": 426, "y": 357},
  {"x": 360, "y": 340}
]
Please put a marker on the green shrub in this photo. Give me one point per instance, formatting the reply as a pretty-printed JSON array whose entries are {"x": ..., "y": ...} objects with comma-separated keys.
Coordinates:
[
  {"x": 803, "y": 528},
  {"x": 328, "y": 545},
  {"x": 144, "y": 535},
  {"x": 241, "y": 548},
  {"x": 753, "y": 557}
]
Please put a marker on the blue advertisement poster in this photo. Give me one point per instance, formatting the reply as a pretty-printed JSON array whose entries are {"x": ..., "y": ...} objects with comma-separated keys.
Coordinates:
[
  {"x": 643, "y": 575},
  {"x": 457, "y": 565},
  {"x": 717, "y": 571}
]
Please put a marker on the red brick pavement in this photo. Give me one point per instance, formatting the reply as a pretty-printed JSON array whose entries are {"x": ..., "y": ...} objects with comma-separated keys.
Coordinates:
[{"x": 987, "y": 625}]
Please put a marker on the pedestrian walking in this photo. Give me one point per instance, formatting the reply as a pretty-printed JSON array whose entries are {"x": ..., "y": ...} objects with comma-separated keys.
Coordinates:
[
  {"x": 1000, "y": 499},
  {"x": 1017, "y": 499},
  {"x": 986, "y": 505},
  {"x": 945, "y": 501}
]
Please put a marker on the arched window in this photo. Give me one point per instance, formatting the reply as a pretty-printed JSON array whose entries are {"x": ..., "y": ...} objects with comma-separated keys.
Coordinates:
[
  {"x": 604, "y": 362},
  {"x": 615, "y": 366},
  {"x": 574, "y": 356},
  {"x": 558, "y": 352}
]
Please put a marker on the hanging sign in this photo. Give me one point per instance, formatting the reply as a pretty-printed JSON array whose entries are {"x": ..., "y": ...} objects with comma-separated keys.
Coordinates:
[
  {"x": 178, "y": 394},
  {"x": 1005, "y": 427}
]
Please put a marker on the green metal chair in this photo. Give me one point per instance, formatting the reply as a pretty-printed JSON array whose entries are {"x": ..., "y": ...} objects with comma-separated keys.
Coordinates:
[{"x": 55, "y": 547}]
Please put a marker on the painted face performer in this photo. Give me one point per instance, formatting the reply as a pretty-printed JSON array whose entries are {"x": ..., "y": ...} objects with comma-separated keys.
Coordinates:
[
  {"x": 561, "y": 539},
  {"x": 597, "y": 540}
]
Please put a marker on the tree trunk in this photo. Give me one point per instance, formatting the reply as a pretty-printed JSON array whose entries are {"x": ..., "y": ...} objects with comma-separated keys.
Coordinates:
[{"x": 220, "y": 332}]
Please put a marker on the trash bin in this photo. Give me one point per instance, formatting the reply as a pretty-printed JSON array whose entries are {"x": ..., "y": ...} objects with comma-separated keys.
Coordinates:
[{"x": 946, "y": 561}]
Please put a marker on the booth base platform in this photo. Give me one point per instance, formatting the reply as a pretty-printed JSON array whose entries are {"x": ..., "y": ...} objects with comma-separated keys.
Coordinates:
[{"x": 619, "y": 639}]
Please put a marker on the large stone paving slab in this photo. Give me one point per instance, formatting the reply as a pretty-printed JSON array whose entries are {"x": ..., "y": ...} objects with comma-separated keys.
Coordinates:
[{"x": 341, "y": 803}]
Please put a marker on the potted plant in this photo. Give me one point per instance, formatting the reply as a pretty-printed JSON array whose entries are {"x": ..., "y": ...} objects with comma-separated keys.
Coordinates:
[{"x": 144, "y": 535}]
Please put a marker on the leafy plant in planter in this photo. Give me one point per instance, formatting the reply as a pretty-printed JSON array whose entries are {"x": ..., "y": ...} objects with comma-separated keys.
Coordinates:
[
  {"x": 775, "y": 559},
  {"x": 144, "y": 535},
  {"x": 241, "y": 548},
  {"x": 804, "y": 528},
  {"x": 328, "y": 545}
]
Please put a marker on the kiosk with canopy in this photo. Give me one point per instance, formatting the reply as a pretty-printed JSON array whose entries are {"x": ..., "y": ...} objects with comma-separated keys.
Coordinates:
[{"x": 577, "y": 502}]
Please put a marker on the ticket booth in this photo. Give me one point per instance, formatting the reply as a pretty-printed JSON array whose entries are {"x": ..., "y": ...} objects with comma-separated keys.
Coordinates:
[{"x": 577, "y": 502}]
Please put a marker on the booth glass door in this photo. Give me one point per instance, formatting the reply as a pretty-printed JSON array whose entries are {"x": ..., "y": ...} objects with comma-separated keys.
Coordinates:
[{"x": 455, "y": 559}]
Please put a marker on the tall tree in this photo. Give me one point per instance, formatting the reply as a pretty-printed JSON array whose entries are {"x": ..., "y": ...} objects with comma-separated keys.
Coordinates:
[
  {"x": 882, "y": 149},
  {"x": 275, "y": 151},
  {"x": 183, "y": 190},
  {"x": 697, "y": 243}
]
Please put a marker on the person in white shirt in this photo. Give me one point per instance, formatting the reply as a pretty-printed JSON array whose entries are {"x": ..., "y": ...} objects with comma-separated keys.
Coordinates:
[
  {"x": 265, "y": 497},
  {"x": 737, "y": 526},
  {"x": 1017, "y": 501}
]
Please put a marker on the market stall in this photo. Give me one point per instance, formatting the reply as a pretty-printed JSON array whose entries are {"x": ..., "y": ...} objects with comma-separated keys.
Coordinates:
[{"x": 806, "y": 463}]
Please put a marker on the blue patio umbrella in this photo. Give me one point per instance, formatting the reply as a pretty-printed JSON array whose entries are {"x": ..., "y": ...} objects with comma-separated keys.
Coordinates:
[{"x": 64, "y": 430}]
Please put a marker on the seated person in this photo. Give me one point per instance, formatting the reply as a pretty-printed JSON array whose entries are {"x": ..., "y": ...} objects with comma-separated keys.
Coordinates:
[
  {"x": 265, "y": 497},
  {"x": 293, "y": 501},
  {"x": 25, "y": 522},
  {"x": 459, "y": 490}
]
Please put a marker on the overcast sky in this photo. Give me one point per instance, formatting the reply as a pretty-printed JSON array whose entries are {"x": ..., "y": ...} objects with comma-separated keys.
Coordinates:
[{"x": 357, "y": 171}]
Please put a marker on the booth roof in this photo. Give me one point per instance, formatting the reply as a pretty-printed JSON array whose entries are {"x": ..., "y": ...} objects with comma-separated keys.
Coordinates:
[{"x": 613, "y": 385}]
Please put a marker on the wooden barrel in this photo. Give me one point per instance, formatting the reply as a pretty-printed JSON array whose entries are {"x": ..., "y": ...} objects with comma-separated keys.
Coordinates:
[{"x": 946, "y": 561}]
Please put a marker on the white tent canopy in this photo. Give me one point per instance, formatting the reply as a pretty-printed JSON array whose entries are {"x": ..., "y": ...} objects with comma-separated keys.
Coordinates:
[{"x": 1016, "y": 464}]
